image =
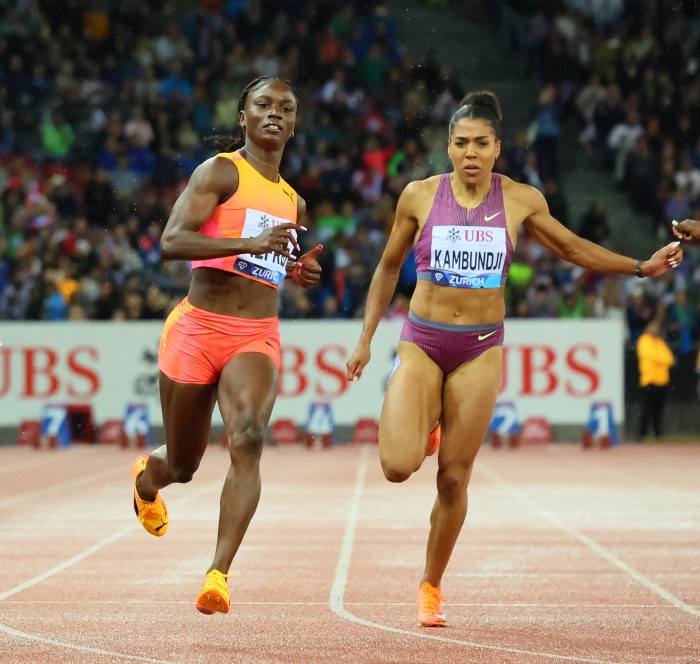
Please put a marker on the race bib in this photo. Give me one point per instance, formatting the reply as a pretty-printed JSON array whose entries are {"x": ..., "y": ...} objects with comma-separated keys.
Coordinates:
[
  {"x": 266, "y": 267},
  {"x": 467, "y": 256}
]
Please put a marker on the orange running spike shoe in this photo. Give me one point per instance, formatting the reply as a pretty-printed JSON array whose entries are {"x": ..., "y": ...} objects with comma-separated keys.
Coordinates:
[
  {"x": 429, "y": 606},
  {"x": 434, "y": 440},
  {"x": 152, "y": 516},
  {"x": 215, "y": 595}
]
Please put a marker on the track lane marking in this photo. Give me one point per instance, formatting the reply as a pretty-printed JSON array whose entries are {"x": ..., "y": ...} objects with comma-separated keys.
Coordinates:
[
  {"x": 74, "y": 560},
  {"x": 591, "y": 543},
  {"x": 336, "y": 599}
]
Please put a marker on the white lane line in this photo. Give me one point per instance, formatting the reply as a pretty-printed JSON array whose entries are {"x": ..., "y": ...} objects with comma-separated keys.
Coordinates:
[
  {"x": 591, "y": 544},
  {"x": 343, "y": 567},
  {"x": 57, "y": 488},
  {"x": 493, "y": 605},
  {"x": 85, "y": 553},
  {"x": 336, "y": 600},
  {"x": 84, "y": 649},
  {"x": 57, "y": 569}
]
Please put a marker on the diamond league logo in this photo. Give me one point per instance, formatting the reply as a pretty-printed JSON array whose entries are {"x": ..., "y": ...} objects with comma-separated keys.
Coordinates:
[
  {"x": 242, "y": 265},
  {"x": 438, "y": 277}
]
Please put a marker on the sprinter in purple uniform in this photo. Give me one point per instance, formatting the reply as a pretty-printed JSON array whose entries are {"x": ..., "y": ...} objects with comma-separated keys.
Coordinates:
[{"x": 464, "y": 226}]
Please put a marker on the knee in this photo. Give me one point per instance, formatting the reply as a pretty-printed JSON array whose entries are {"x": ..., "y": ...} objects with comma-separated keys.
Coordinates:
[
  {"x": 183, "y": 473},
  {"x": 396, "y": 472},
  {"x": 246, "y": 442},
  {"x": 452, "y": 484}
]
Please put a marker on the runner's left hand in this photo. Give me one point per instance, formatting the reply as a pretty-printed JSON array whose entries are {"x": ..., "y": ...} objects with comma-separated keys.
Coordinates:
[
  {"x": 663, "y": 260},
  {"x": 307, "y": 271}
]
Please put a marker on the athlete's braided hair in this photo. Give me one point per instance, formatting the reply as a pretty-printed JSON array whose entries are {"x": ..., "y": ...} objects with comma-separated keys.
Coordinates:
[
  {"x": 231, "y": 143},
  {"x": 480, "y": 105}
]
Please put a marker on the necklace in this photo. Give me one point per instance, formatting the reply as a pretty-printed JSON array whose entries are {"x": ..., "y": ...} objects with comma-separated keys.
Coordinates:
[{"x": 260, "y": 161}]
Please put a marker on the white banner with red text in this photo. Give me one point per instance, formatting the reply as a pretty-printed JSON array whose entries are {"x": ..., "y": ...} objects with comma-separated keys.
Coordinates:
[{"x": 551, "y": 368}]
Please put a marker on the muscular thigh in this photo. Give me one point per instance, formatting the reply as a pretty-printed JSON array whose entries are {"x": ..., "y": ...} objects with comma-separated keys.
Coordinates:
[
  {"x": 412, "y": 404},
  {"x": 247, "y": 392},
  {"x": 469, "y": 395}
]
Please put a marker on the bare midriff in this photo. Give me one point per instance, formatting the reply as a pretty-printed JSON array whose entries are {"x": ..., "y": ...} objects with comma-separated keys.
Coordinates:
[
  {"x": 229, "y": 294},
  {"x": 458, "y": 306}
]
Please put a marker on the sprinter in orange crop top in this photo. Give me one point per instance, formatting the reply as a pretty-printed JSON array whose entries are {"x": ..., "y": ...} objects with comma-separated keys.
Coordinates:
[{"x": 237, "y": 224}]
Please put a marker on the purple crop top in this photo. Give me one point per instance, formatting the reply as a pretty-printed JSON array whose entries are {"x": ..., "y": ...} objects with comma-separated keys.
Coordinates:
[{"x": 465, "y": 248}]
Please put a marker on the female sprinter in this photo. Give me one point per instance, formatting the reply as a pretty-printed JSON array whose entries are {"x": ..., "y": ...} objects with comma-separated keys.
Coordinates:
[
  {"x": 464, "y": 226},
  {"x": 236, "y": 221}
]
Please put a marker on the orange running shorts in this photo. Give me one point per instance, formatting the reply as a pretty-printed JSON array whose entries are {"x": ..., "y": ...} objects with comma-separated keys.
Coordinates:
[{"x": 196, "y": 344}]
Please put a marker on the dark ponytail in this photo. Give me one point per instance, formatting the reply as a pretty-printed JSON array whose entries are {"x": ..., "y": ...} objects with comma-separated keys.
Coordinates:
[
  {"x": 237, "y": 139},
  {"x": 227, "y": 143},
  {"x": 480, "y": 105}
]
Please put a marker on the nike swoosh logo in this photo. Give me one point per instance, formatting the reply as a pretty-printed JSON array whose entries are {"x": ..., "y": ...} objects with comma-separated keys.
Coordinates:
[
  {"x": 162, "y": 525},
  {"x": 488, "y": 217},
  {"x": 481, "y": 337},
  {"x": 440, "y": 616}
]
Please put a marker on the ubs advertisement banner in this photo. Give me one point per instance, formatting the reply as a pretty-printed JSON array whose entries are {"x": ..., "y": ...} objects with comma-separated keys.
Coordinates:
[{"x": 551, "y": 368}]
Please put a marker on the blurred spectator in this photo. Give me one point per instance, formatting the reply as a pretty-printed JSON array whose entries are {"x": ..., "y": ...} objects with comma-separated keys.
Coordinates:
[
  {"x": 61, "y": 194},
  {"x": 57, "y": 136},
  {"x": 548, "y": 133},
  {"x": 531, "y": 173},
  {"x": 571, "y": 302},
  {"x": 687, "y": 178},
  {"x": 558, "y": 205},
  {"x": 655, "y": 361},
  {"x": 641, "y": 310},
  {"x": 587, "y": 100},
  {"x": 681, "y": 324},
  {"x": 54, "y": 307},
  {"x": 641, "y": 177},
  {"x": 98, "y": 197},
  {"x": 621, "y": 140},
  {"x": 374, "y": 67},
  {"x": 138, "y": 129},
  {"x": 542, "y": 298},
  {"x": 407, "y": 164},
  {"x": 330, "y": 222},
  {"x": 594, "y": 225}
]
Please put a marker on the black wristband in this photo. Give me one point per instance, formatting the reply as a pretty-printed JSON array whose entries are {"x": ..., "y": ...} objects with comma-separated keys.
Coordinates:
[{"x": 638, "y": 269}]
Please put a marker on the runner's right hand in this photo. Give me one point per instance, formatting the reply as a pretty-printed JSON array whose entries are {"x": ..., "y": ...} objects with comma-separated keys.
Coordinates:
[
  {"x": 276, "y": 239},
  {"x": 357, "y": 362}
]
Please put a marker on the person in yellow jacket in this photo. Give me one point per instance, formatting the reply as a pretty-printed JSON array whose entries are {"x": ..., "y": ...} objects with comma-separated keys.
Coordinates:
[{"x": 655, "y": 361}]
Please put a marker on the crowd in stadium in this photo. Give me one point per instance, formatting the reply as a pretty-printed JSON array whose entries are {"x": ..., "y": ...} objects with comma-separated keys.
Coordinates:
[
  {"x": 105, "y": 108},
  {"x": 625, "y": 75}
]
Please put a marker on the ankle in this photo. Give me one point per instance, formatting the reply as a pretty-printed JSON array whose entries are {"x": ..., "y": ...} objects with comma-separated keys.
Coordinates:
[{"x": 143, "y": 493}]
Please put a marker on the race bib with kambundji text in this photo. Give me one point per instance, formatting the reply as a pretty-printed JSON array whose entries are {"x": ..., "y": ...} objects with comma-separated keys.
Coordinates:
[
  {"x": 266, "y": 267},
  {"x": 467, "y": 256}
]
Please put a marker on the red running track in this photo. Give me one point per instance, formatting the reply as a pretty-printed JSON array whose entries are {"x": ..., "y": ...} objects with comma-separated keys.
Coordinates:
[{"x": 567, "y": 556}]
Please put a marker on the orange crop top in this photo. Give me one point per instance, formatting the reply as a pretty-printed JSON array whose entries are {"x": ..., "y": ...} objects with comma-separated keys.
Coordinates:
[{"x": 257, "y": 204}]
